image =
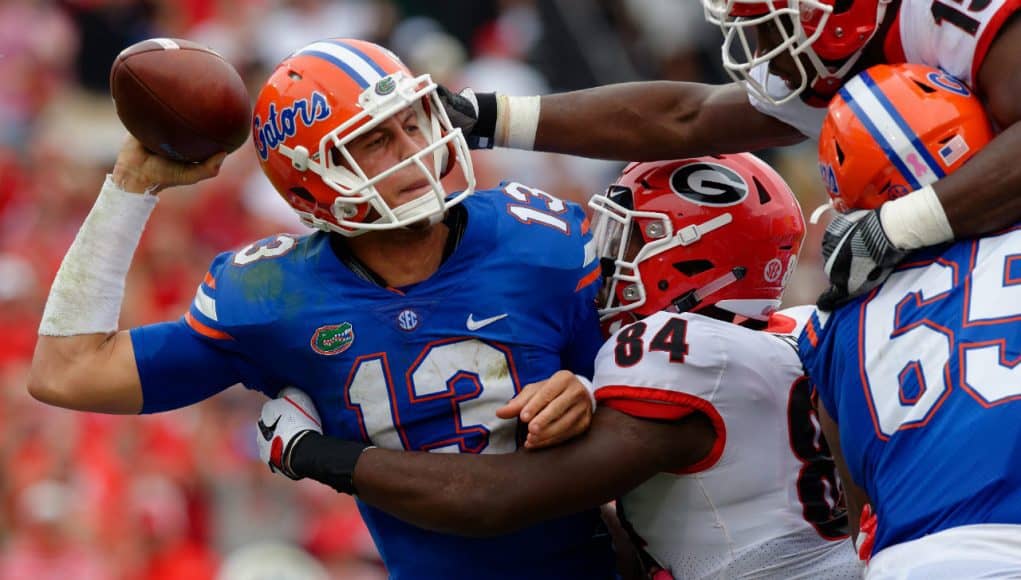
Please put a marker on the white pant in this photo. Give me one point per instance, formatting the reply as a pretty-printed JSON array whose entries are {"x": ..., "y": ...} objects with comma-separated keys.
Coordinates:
[{"x": 962, "y": 553}]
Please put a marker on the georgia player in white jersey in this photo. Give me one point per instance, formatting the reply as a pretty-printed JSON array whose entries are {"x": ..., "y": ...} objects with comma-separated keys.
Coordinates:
[
  {"x": 808, "y": 48},
  {"x": 705, "y": 426},
  {"x": 790, "y": 57},
  {"x": 696, "y": 285}
]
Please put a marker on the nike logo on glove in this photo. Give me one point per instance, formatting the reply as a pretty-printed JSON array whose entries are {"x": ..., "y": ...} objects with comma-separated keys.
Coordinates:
[
  {"x": 268, "y": 430},
  {"x": 473, "y": 324}
]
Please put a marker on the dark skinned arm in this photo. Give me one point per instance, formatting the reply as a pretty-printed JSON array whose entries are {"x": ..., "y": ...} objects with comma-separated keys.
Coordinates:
[
  {"x": 853, "y": 495},
  {"x": 984, "y": 195},
  {"x": 481, "y": 495},
  {"x": 657, "y": 120}
]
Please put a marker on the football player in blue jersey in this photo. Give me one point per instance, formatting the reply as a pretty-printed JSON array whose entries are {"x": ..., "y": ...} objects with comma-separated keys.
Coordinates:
[
  {"x": 705, "y": 428},
  {"x": 411, "y": 318},
  {"x": 918, "y": 379}
]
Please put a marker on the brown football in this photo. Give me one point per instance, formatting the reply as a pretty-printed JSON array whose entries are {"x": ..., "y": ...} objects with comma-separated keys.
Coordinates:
[{"x": 180, "y": 99}]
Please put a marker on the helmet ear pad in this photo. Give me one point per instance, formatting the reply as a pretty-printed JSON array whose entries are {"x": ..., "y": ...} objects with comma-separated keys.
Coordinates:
[
  {"x": 447, "y": 161},
  {"x": 447, "y": 156}
]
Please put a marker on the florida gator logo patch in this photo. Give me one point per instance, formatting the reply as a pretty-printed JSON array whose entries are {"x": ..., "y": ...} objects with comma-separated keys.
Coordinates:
[{"x": 333, "y": 339}]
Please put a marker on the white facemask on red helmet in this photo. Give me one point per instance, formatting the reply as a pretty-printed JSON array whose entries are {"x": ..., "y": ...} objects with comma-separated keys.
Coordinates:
[{"x": 829, "y": 34}]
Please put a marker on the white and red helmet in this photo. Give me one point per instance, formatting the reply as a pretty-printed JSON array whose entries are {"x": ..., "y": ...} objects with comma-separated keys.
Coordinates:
[
  {"x": 323, "y": 97},
  {"x": 681, "y": 235},
  {"x": 830, "y": 34}
]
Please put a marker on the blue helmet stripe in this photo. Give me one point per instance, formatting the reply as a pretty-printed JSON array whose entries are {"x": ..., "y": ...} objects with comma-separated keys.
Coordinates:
[
  {"x": 339, "y": 63},
  {"x": 903, "y": 124},
  {"x": 362, "y": 55},
  {"x": 880, "y": 139}
]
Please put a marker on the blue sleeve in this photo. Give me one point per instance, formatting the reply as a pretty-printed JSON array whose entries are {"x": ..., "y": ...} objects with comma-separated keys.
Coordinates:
[
  {"x": 813, "y": 347},
  {"x": 183, "y": 362},
  {"x": 177, "y": 368},
  {"x": 585, "y": 337}
]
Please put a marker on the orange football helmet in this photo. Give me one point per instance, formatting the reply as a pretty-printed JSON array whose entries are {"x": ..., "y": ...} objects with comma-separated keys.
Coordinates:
[
  {"x": 320, "y": 99},
  {"x": 723, "y": 230},
  {"x": 831, "y": 34},
  {"x": 895, "y": 128}
]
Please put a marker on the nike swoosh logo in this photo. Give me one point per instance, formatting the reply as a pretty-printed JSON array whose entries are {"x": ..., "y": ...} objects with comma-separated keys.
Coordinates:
[
  {"x": 268, "y": 430},
  {"x": 473, "y": 324}
]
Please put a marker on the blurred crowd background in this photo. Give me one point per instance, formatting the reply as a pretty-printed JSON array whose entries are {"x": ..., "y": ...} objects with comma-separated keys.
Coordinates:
[{"x": 183, "y": 495}]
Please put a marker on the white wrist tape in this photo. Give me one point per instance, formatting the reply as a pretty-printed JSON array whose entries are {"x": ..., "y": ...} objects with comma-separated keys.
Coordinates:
[
  {"x": 517, "y": 119},
  {"x": 916, "y": 220},
  {"x": 590, "y": 389},
  {"x": 87, "y": 293}
]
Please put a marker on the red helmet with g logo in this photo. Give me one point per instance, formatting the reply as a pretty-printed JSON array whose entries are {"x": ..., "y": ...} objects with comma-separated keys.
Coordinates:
[{"x": 723, "y": 230}]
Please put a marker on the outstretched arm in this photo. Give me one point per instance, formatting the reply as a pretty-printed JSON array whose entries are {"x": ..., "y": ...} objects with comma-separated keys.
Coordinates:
[
  {"x": 493, "y": 494},
  {"x": 81, "y": 361},
  {"x": 647, "y": 121},
  {"x": 642, "y": 121},
  {"x": 481, "y": 495}
]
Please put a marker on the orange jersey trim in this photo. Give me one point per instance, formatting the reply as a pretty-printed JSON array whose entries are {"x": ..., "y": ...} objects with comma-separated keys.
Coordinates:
[
  {"x": 588, "y": 279},
  {"x": 205, "y": 330},
  {"x": 813, "y": 338}
]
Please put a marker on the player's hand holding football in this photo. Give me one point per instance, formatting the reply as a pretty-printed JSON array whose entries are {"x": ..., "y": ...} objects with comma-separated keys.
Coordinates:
[
  {"x": 140, "y": 171},
  {"x": 556, "y": 410}
]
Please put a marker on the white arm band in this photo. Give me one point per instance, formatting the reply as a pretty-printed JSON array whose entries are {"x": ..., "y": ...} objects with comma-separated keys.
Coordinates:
[
  {"x": 517, "y": 119},
  {"x": 590, "y": 388},
  {"x": 916, "y": 220},
  {"x": 87, "y": 293}
]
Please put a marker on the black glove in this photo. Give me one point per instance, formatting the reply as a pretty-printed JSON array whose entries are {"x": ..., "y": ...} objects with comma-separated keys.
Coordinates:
[
  {"x": 857, "y": 256},
  {"x": 474, "y": 113}
]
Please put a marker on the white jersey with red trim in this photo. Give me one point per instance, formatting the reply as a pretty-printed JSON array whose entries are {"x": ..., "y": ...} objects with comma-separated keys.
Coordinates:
[
  {"x": 953, "y": 36},
  {"x": 765, "y": 502}
]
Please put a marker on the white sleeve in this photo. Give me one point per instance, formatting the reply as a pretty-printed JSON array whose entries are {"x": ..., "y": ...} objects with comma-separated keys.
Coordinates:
[
  {"x": 950, "y": 35},
  {"x": 664, "y": 379},
  {"x": 794, "y": 112}
]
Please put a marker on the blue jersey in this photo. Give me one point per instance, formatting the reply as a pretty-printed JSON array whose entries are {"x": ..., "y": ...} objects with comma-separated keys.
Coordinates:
[
  {"x": 419, "y": 368},
  {"x": 922, "y": 377}
]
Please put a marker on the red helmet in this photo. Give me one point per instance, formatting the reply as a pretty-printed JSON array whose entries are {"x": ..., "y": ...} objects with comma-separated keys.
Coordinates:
[
  {"x": 723, "y": 230},
  {"x": 895, "y": 128},
  {"x": 326, "y": 95},
  {"x": 829, "y": 33}
]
